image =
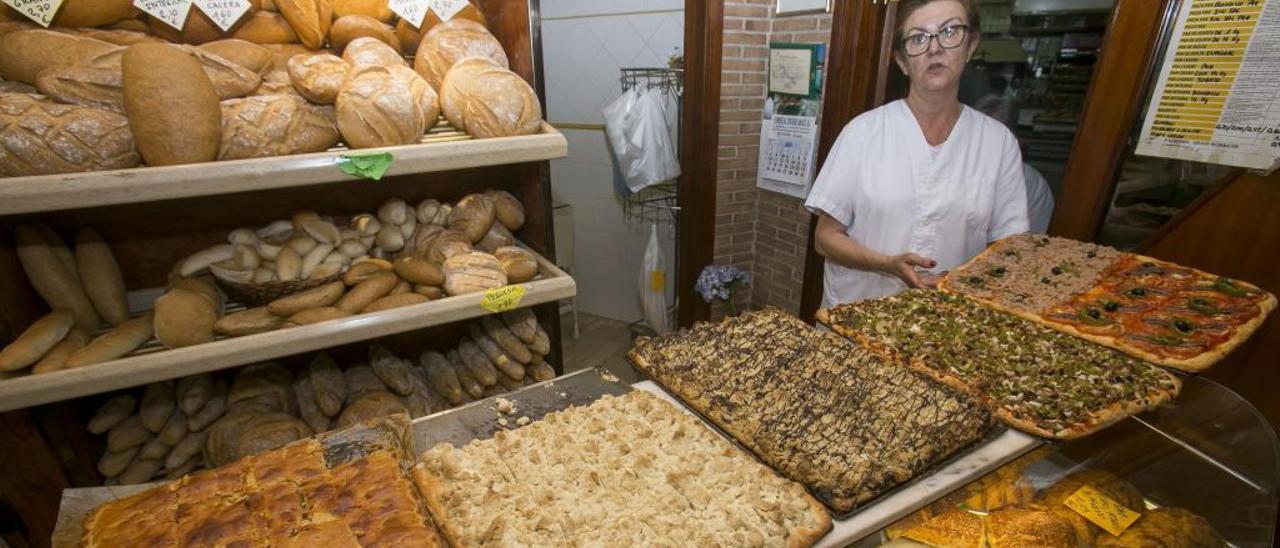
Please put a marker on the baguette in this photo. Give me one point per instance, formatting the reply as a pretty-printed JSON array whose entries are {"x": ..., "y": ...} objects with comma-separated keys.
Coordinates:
[
  {"x": 114, "y": 412},
  {"x": 307, "y": 408},
  {"x": 504, "y": 363},
  {"x": 212, "y": 410},
  {"x": 361, "y": 381},
  {"x": 56, "y": 358},
  {"x": 155, "y": 449},
  {"x": 185, "y": 450},
  {"x": 174, "y": 112},
  {"x": 475, "y": 361},
  {"x": 362, "y": 271},
  {"x": 173, "y": 430},
  {"x": 391, "y": 370},
  {"x": 541, "y": 344},
  {"x": 101, "y": 277},
  {"x": 122, "y": 340},
  {"x": 328, "y": 385},
  {"x": 193, "y": 392},
  {"x": 128, "y": 433},
  {"x": 468, "y": 381},
  {"x": 59, "y": 247},
  {"x": 113, "y": 463},
  {"x": 140, "y": 471},
  {"x": 157, "y": 404},
  {"x": 395, "y": 301},
  {"x": 496, "y": 330},
  {"x": 523, "y": 323},
  {"x": 184, "y": 318},
  {"x": 248, "y": 322},
  {"x": 324, "y": 295},
  {"x": 441, "y": 376},
  {"x": 364, "y": 293},
  {"x": 316, "y": 315},
  {"x": 36, "y": 341},
  {"x": 51, "y": 278}
]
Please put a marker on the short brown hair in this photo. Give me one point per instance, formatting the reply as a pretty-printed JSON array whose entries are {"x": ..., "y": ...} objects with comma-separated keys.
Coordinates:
[{"x": 908, "y": 7}]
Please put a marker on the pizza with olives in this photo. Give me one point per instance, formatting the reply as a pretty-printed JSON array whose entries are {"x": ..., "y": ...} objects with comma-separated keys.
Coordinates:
[
  {"x": 1033, "y": 378},
  {"x": 1161, "y": 312}
]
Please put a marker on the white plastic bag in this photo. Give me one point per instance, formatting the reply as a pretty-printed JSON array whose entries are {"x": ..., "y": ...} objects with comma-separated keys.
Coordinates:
[
  {"x": 653, "y": 285},
  {"x": 640, "y": 139}
]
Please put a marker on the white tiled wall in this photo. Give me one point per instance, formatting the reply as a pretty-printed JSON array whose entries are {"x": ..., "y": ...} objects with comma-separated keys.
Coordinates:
[{"x": 584, "y": 44}]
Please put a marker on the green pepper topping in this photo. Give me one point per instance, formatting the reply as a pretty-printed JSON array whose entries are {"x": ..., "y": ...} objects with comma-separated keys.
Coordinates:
[
  {"x": 1167, "y": 340},
  {"x": 997, "y": 272},
  {"x": 1203, "y": 306},
  {"x": 1229, "y": 287},
  {"x": 1093, "y": 316},
  {"x": 1183, "y": 325},
  {"x": 1137, "y": 292},
  {"x": 1012, "y": 253},
  {"x": 1110, "y": 306}
]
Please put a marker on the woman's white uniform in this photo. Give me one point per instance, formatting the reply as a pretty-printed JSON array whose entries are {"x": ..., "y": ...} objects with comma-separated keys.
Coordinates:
[{"x": 898, "y": 194}]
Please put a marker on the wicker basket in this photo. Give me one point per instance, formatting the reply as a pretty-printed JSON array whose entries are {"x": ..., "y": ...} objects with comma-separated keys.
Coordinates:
[{"x": 262, "y": 293}]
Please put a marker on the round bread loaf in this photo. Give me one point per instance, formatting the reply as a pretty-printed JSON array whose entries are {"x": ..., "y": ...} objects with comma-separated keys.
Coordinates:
[
  {"x": 379, "y": 10},
  {"x": 275, "y": 125},
  {"x": 376, "y": 108},
  {"x": 366, "y": 50},
  {"x": 423, "y": 93},
  {"x": 446, "y": 244},
  {"x": 487, "y": 100},
  {"x": 498, "y": 236},
  {"x": 509, "y": 210},
  {"x": 267, "y": 27},
  {"x": 184, "y": 318},
  {"x": 349, "y": 27},
  {"x": 451, "y": 42},
  {"x": 473, "y": 215},
  {"x": 92, "y": 13},
  {"x": 520, "y": 264},
  {"x": 242, "y": 52},
  {"x": 172, "y": 106},
  {"x": 472, "y": 272},
  {"x": 318, "y": 76}
]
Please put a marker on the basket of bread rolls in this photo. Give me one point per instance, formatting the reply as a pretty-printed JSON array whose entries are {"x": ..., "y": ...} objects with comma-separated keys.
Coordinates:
[{"x": 113, "y": 88}]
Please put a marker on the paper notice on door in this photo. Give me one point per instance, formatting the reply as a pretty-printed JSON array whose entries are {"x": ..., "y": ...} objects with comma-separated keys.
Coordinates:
[
  {"x": 170, "y": 12},
  {"x": 446, "y": 9},
  {"x": 1218, "y": 96},
  {"x": 40, "y": 11},
  {"x": 413, "y": 11},
  {"x": 224, "y": 13}
]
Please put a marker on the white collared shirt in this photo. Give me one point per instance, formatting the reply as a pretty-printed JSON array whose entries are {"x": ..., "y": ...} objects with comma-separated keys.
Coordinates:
[{"x": 897, "y": 194}]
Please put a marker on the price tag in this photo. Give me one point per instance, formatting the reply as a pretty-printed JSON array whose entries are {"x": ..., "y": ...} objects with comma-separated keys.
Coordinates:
[
  {"x": 657, "y": 281},
  {"x": 224, "y": 13},
  {"x": 413, "y": 11},
  {"x": 502, "y": 299},
  {"x": 40, "y": 11},
  {"x": 446, "y": 9},
  {"x": 1101, "y": 510},
  {"x": 170, "y": 12},
  {"x": 371, "y": 166}
]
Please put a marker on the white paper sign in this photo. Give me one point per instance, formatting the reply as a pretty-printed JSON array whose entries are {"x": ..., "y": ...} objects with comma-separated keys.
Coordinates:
[
  {"x": 224, "y": 13},
  {"x": 446, "y": 9},
  {"x": 40, "y": 11},
  {"x": 413, "y": 11},
  {"x": 171, "y": 12},
  {"x": 786, "y": 154}
]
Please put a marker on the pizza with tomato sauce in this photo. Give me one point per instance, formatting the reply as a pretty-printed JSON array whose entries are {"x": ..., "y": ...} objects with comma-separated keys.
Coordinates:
[{"x": 1164, "y": 313}]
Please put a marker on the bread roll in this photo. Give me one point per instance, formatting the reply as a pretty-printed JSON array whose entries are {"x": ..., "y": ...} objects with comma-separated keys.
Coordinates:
[
  {"x": 520, "y": 264},
  {"x": 311, "y": 19},
  {"x": 248, "y": 322},
  {"x": 363, "y": 271},
  {"x": 244, "y": 53},
  {"x": 372, "y": 289},
  {"x": 101, "y": 277},
  {"x": 25, "y": 54},
  {"x": 275, "y": 125},
  {"x": 52, "y": 278},
  {"x": 113, "y": 344},
  {"x": 324, "y": 295},
  {"x": 509, "y": 210},
  {"x": 41, "y": 137},
  {"x": 376, "y": 109},
  {"x": 351, "y": 27},
  {"x": 487, "y": 100},
  {"x": 473, "y": 215},
  {"x": 37, "y": 340},
  {"x": 408, "y": 36},
  {"x": 316, "y": 315},
  {"x": 319, "y": 76},
  {"x": 266, "y": 27},
  {"x": 418, "y": 270},
  {"x": 192, "y": 393},
  {"x": 472, "y": 272},
  {"x": 174, "y": 111},
  {"x": 376, "y": 9},
  {"x": 158, "y": 402},
  {"x": 113, "y": 463},
  {"x": 395, "y": 301},
  {"x": 451, "y": 42},
  {"x": 114, "y": 412},
  {"x": 92, "y": 13},
  {"x": 184, "y": 318},
  {"x": 128, "y": 433},
  {"x": 56, "y": 358}
]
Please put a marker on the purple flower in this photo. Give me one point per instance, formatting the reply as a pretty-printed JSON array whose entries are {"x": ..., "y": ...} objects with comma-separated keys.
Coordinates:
[{"x": 719, "y": 282}]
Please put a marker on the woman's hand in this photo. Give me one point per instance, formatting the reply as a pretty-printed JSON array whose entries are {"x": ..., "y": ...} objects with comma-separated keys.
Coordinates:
[{"x": 904, "y": 267}]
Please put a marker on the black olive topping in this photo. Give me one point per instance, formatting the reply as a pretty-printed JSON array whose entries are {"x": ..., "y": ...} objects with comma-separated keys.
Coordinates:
[
  {"x": 1044, "y": 280},
  {"x": 1057, "y": 270},
  {"x": 1148, "y": 265},
  {"x": 1094, "y": 313},
  {"x": 1111, "y": 306},
  {"x": 1137, "y": 292},
  {"x": 1183, "y": 325}
]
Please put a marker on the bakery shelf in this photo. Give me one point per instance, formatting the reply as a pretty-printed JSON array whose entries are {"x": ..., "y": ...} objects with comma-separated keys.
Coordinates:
[
  {"x": 152, "y": 363},
  {"x": 443, "y": 149}
]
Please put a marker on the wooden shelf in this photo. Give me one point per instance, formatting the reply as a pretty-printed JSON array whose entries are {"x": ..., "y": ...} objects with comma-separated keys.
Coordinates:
[
  {"x": 152, "y": 363},
  {"x": 442, "y": 150}
]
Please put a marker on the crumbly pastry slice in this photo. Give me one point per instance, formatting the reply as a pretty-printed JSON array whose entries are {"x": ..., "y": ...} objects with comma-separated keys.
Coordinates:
[
  {"x": 842, "y": 421},
  {"x": 628, "y": 470}
]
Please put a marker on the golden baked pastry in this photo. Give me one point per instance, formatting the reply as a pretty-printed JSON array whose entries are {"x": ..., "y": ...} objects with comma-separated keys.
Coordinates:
[
  {"x": 1166, "y": 527},
  {"x": 1029, "y": 527},
  {"x": 1105, "y": 482},
  {"x": 954, "y": 528}
]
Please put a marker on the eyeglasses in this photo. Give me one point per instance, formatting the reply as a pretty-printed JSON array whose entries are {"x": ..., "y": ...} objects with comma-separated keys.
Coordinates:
[{"x": 948, "y": 37}]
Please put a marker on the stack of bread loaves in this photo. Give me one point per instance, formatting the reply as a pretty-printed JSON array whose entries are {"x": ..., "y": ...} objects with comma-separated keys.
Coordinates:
[{"x": 110, "y": 88}]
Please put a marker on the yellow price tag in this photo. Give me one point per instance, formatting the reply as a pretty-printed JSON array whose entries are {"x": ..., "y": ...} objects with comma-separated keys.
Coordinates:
[
  {"x": 1101, "y": 510},
  {"x": 657, "y": 281},
  {"x": 502, "y": 299}
]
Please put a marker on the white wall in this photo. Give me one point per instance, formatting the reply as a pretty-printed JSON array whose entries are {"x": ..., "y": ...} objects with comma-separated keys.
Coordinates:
[{"x": 583, "y": 46}]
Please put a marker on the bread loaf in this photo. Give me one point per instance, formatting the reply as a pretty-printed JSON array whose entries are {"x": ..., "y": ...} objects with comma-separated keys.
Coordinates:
[
  {"x": 113, "y": 463},
  {"x": 376, "y": 109},
  {"x": 362, "y": 271},
  {"x": 324, "y": 295},
  {"x": 269, "y": 431},
  {"x": 193, "y": 392},
  {"x": 265, "y": 384},
  {"x": 244, "y": 53},
  {"x": 473, "y": 215},
  {"x": 158, "y": 402},
  {"x": 521, "y": 265},
  {"x": 248, "y": 322},
  {"x": 118, "y": 37},
  {"x": 390, "y": 369},
  {"x": 372, "y": 405},
  {"x": 60, "y": 249},
  {"x": 40, "y": 137},
  {"x": 469, "y": 383},
  {"x": 24, "y": 54},
  {"x": 512, "y": 345},
  {"x": 448, "y": 244},
  {"x": 277, "y": 82},
  {"x": 497, "y": 236},
  {"x": 56, "y": 358},
  {"x": 361, "y": 380},
  {"x": 316, "y": 315},
  {"x": 422, "y": 401},
  {"x": 92, "y": 13},
  {"x": 311, "y": 19},
  {"x": 418, "y": 270},
  {"x": 113, "y": 344},
  {"x": 101, "y": 277},
  {"x": 266, "y": 27},
  {"x": 408, "y": 36},
  {"x": 275, "y": 125},
  {"x": 307, "y": 408},
  {"x": 127, "y": 433},
  {"x": 472, "y": 272},
  {"x": 441, "y": 376},
  {"x": 328, "y": 385},
  {"x": 136, "y": 24},
  {"x": 224, "y": 435},
  {"x": 509, "y": 368},
  {"x": 366, "y": 50},
  {"x": 541, "y": 343},
  {"x": 52, "y": 278},
  {"x": 523, "y": 323},
  {"x": 7, "y": 26},
  {"x": 173, "y": 431},
  {"x": 184, "y": 318},
  {"x": 453, "y": 41},
  {"x": 395, "y": 300},
  {"x": 477, "y": 363},
  {"x": 348, "y": 28},
  {"x": 364, "y": 293},
  {"x": 174, "y": 112},
  {"x": 429, "y": 101},
  {"x": 212, "y": 410},
  {"x": 95, "y": 81},
  {"x": 487, "y": 100},
  {"x": 187, "y": 449},
  {"x": 7, "y": 87},
  {"x": 319, "y": 76},
  {"x": 114, "y": 412},
  {"x": 509, "y": 210},
  {"x": 540, "y": 369},
  {"x": 155, "y": 449},
  {"x": 230, "y": 79},
  {"x": 375, "y": 9},
  {"x": 37, "y": 340}
]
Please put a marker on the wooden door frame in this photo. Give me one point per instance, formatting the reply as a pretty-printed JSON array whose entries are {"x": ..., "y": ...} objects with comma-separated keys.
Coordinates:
[{"x": 699, "y": 153}]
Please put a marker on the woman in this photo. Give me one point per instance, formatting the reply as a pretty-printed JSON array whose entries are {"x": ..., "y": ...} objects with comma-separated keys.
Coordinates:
[{"x": 919, "y": 184}]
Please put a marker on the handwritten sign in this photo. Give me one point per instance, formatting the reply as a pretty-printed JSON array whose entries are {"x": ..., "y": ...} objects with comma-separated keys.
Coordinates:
[
  {"x": 413, "y": 11},
  {"x": 224, "y": 13},
  {"x": 170, "y": 12},
  {"x": 40, "y": 11},
  {"x": 1101, "y": 510},
  {"x": 502, "y": 299},
  {"x": 446, "y": 9}
]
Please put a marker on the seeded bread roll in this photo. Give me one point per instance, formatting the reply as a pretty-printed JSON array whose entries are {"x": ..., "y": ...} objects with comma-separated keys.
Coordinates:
[
  {"x": 311, "y": 19},
  {"x": 41, "y": 137},
  {"x": 472, "y": 272},
  {"x": 174, "y": 112},
  {"x": 266, "y": 27},
  {"x": 37, "y": 340},
  {"x": 101, "y": 277},
  {"x": 24, "y": 54},
  {"x": 349, "y": 28},
  {"x": 52, "y": 277},
  {"x": 452, "y": 41},
  {"x": 487, "y": 100},
  {"x": 275, "y": 125},
  {"x": 376, "y": 108}
]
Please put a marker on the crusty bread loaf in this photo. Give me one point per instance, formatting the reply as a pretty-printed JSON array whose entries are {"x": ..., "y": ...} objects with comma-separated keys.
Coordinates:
[
  {"x": 230, "y": 79},
  {"x": 349, "y": 27},
  {"x": 324, "y": 295},
  {"x": 96, "y": 81},
  {"x": 472, "y": 272},
  {"x": 56, "y": 358},
  {"x": 40, "y": 137},
  {"x": 113, "y": 344},
  {"x": 133, "y": 24},
  {"x": 497, "y": 236},
  {"x": 364, "y": 293},
  {"x": 418, "y": 270},
  {"x": 53, "y": 279},
  {"x": 267, "y": 27},
  {"x": 521, "y": 265},
  {"x": 7, "y": 87},
  {"x": 509, "y": 210},
  {"x": 37, "y": 340},
  {"x": 92, "y": 13},
  {"x": 318, "y": 76},
  {"x": 379, "y": 10},
  {"x": 487, "y": 100},
  {"x": 376, "y": 108},
  {"x": 451, "y": 42},
  {"x": 115, "y": 36},
  {"x": 25, "y": 54},
  {"x": 473, "y": 215},
  {"x": 244, "y": 53},
  {"x": 199, "y": 28},
  {"x": 101, "y": 277},
  {"x": 311, "y": 19},
  {"x": 275, "y": 125},
  {"x": 447, "y": 244},
  {"x": 426, "y": 97},
  {"x": 366, "y": 50},
  {"x": 277, "y": 82},
  {"x": 172, "y": 105},
  {"x": 470, "y": 12},
  {"x": 184, "y": 318},
  {"x": 408, "y": 36}
]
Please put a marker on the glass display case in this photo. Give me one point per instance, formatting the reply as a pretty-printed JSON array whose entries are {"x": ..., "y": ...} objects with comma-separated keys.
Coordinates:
[{"x": 1202, "y": 470}]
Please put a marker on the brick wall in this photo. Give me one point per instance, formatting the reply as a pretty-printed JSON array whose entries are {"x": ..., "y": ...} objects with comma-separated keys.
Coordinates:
[{"x": 759, "y": 231}]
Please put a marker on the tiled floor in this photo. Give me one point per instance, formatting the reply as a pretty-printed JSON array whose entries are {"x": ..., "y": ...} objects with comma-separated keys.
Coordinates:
[{"x": 602, "y": 342}]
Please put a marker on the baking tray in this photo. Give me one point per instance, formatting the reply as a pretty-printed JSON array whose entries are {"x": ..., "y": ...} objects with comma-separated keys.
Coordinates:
[{"x": 995, "y": 431}]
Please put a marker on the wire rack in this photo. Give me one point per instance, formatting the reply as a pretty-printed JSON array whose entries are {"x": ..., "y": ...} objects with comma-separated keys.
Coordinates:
[{"x": 658, "y": 203}]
